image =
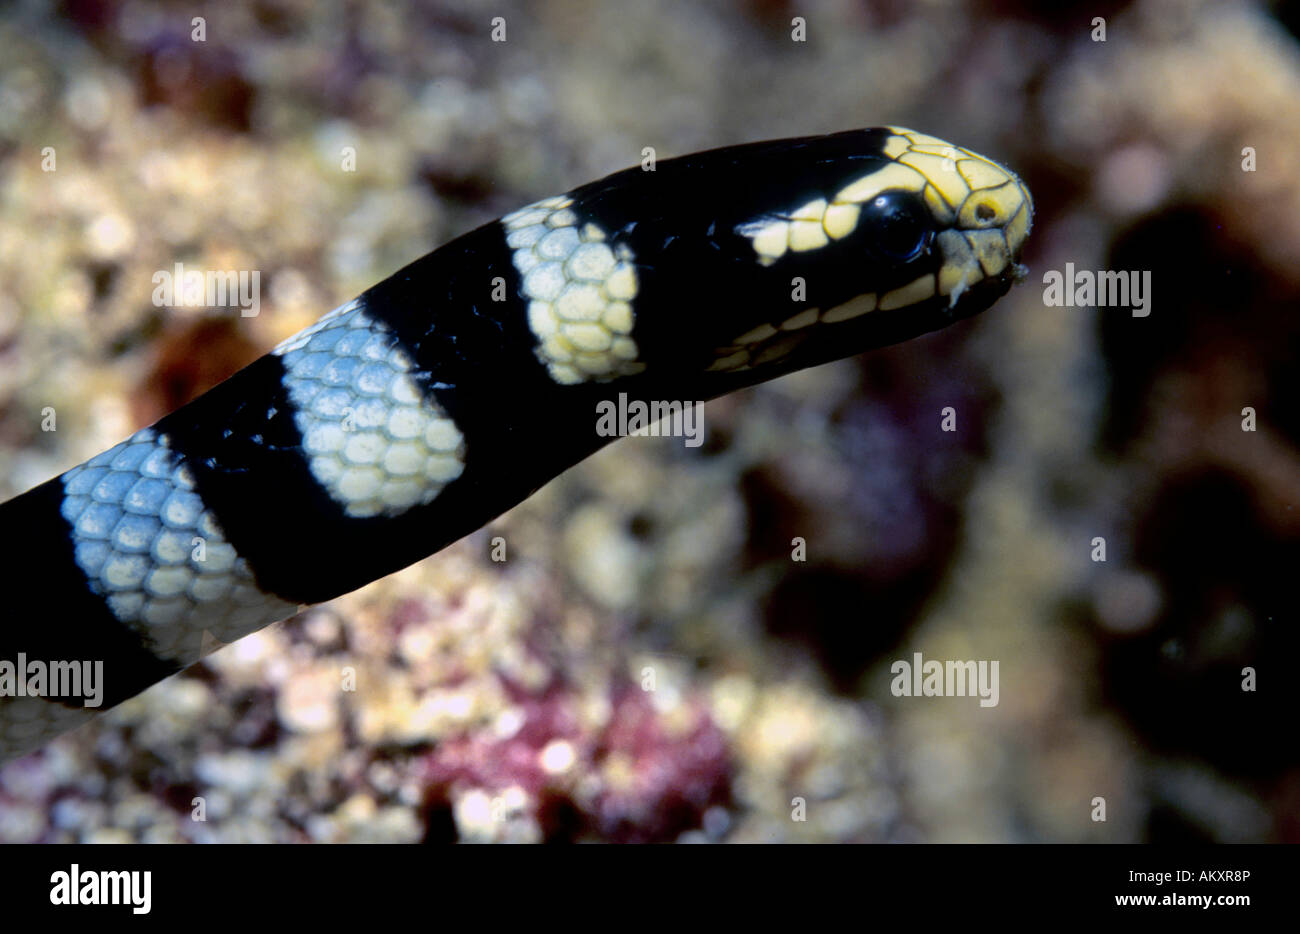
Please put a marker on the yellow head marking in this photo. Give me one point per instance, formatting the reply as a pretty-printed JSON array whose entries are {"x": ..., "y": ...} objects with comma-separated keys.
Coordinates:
[
  {"x": 840, "y": 219},
  {"x": 850, "y": 309},
  {"x": 981, "y": 215},
  {"x": 915, "y": 291},
  {"x": 957, "y": 185},
  {"x": 892, "y": 176},
  {"x": 988, "y": 205}
]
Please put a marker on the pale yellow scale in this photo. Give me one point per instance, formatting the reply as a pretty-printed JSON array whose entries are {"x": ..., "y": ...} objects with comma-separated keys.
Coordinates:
[{"x": 579, "y": 290}]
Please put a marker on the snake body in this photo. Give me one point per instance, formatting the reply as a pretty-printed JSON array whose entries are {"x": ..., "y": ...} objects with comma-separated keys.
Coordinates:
[{"x": 447, "y": 393}]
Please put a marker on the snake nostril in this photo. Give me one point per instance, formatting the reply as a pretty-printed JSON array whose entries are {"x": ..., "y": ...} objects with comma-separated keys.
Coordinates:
[{"x": 985, "y": 211}]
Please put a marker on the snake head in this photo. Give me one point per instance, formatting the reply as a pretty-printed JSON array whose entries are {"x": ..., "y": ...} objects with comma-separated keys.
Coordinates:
[{"x": 910, "y": 236}]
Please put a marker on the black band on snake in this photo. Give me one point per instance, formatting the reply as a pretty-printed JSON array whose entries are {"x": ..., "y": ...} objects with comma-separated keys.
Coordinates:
[{"x": 452, "y": 390}]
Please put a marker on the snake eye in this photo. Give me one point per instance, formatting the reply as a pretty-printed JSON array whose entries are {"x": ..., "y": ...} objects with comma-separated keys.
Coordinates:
[{"x": 900, "y": 231}]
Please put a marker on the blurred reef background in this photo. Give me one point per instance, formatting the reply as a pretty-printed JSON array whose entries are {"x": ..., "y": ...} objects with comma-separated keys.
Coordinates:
[{"x": 505, "y": 701}]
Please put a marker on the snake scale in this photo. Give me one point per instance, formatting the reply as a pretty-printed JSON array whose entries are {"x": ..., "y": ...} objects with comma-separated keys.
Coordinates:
[{"x": 449, "y": 392}]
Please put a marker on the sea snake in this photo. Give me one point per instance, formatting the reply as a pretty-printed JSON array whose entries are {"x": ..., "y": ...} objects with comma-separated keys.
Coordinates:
[{"x": 449, "y": 392}]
